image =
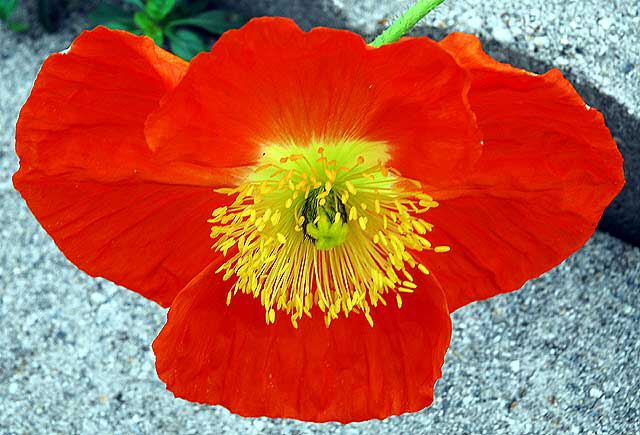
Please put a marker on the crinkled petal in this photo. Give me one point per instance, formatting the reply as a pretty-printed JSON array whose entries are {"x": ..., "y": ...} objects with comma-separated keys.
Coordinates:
[
  {"x": 271, "y": 83},
  {"x": 549, "y": 168},
  {"x": 88, "y": 176},
  {"x": 212, "y": 353}
]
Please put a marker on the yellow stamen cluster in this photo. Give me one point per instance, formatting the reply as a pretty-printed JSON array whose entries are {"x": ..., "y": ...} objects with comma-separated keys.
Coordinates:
[{"x": 365, "y": 256}]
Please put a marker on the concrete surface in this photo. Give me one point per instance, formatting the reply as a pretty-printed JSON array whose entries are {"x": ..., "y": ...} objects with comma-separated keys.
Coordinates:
[{"x": 559, "y": 356}]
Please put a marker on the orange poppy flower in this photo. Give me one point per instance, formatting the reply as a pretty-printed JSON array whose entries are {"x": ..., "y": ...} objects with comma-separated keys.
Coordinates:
[{"x": 353, "y": 196}]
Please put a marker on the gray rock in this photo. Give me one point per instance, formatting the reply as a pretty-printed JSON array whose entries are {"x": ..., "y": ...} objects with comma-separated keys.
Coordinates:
[
  {"x": 502, "y": 34},
  {"x": 596, "y": 45}
]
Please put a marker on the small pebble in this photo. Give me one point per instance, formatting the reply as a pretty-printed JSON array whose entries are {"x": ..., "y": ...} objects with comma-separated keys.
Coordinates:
[
  {"x": 606, "y": 22},
  {"x": 502, "y": 34},
  {"x": 595, "y": 393},
  {"x": 97, "y": 298},
  {"x": 627, "y": 68},
  {"x": 541, "y": 41},
  {"x": 475, "y": 23}
]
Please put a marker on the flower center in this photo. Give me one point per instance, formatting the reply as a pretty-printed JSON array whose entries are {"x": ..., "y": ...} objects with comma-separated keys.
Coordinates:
[
  {"x": 326, "y": 226},
  {"x": 326, "y": 217}
]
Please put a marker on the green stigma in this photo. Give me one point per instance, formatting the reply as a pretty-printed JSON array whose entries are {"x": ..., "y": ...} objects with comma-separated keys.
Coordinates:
[{"x": 326, "y": 218}]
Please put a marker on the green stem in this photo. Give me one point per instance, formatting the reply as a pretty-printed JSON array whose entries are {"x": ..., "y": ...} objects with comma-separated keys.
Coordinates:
[{"x": 403, "y": 24}]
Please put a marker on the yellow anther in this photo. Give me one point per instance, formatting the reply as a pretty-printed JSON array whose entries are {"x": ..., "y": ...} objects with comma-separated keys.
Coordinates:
[
  {"x": 362, "y": 220},
  {"x": 369, "y": 319},
  {"x": 296, "y": 157},
  {"x": 219, "y": 211},
  {"x": 275, "y": 218},
  {"x": 351, "y": 187},
  {"x": 424, "y": 242},
  {"x": 353, "y": 214},
  {"x": 395, "y": 172},
  {"x": 272, "y": 315},
  {"x": 421, "y": 229},
  {"x": 399, "y": 300},
  {"x": 331, "y": 175},
  {"x": 442, "y": 248},
  {"x": 263, "y": 167}
]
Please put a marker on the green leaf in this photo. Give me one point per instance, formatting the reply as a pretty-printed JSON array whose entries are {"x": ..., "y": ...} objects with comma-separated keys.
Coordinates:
[
  {"x": 216, "y": 21},
  {"x": 185, "y": 43},
  {"x": 6, "y": 9},
  {"x": 149, "y": 27},
  {"x": 49, "y": 13},
  {"x": 122, "y": 25},
  {"x": 17, "y": 26},
  {"x": 111, "y": 16},
  {"x": 158, "y": 9},
  {"x": 137, "y": 3},
  {"x": 187, "y": 8}
]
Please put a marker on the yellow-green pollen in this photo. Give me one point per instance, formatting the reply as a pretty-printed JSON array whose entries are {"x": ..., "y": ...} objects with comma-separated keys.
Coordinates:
[
  {"x": 326, "y": 218},
  {"x": 325, "y": 225}
]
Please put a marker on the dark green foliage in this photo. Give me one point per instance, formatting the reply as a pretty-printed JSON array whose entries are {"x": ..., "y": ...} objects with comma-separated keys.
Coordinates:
[
  {"x": 216, "y": 21},
  {"x": 158, "y": 9},
  {"x": 185, "y": 43},
  {"x": 185, "y": 25},
  {"x": 49, "y": 13},
  {"x": 149, "y": 27},
  {"x": 7, "y": 7},
  {"x": 113, "y": 17}
]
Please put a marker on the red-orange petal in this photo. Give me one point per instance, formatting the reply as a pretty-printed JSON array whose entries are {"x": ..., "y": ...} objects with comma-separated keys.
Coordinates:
[
  {"x": 212, "y": 353},
  {"x": 549, "y": 168},
  {"x": 90, "y": 179},
  {"x": 270, "y": 82}
]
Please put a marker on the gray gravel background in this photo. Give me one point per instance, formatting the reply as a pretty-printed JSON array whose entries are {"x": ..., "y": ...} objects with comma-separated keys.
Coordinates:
[{"x": 560, "y": 356}]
